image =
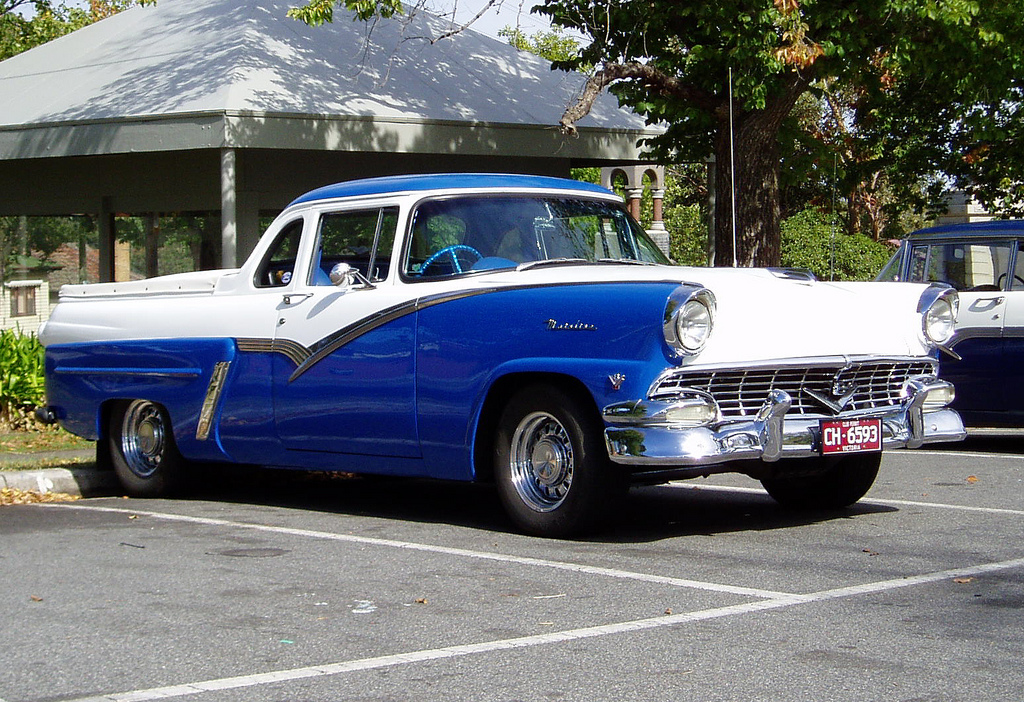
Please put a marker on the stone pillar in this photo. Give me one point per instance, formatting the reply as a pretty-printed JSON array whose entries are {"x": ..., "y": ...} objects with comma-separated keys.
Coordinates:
[
  {"x": 634, "y": 202},
  {"x": 228, "y": 208},
  {"x": 122, "y": 261},
  {"x": 659, "y": 235}
]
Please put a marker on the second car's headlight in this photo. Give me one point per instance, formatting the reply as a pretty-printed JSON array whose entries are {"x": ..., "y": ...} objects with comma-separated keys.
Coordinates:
[
  {"x": 939, "y": 318},
  {"x": 688, "y": 322}
]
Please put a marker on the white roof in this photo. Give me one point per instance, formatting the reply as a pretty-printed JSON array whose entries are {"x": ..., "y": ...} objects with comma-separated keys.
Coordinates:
[{"x": 182, "y": 61}]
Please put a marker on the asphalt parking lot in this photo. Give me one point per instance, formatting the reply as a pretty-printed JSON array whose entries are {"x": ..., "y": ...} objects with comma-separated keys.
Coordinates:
[{"x": 283, "y": 587}]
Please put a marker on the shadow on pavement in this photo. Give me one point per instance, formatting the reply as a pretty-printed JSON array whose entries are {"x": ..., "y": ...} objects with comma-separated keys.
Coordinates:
[{"x": 647, "y": 514}]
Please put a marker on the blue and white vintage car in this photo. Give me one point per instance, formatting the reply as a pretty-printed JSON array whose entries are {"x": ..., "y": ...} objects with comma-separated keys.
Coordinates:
[{"x": 515, "y": 329}]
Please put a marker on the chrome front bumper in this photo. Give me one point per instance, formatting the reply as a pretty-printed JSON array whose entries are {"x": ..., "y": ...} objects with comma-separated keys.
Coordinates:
[{"x": 635, "y": 436}]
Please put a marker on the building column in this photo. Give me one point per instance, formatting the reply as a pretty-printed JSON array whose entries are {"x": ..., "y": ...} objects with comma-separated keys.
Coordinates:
[
  {"x": 659, "y": 235},
  {"x": 228, "y": 208},
  {"x": 106, "y": 241},
  {"x": 658, "y": 200},
  {"x": 248, "y": 222},
  {"x": 152, "y": 245},
  {"x": 634, "y": 202}
]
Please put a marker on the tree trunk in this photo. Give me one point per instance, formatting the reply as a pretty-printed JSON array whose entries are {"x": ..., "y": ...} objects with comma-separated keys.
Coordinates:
[
  {"x": 756, "y": 156},
  {"x": 755, "y": 151}
]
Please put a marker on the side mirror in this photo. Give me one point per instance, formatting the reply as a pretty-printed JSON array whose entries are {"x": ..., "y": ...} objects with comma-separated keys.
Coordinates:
[{"x": 341, "y": 275}]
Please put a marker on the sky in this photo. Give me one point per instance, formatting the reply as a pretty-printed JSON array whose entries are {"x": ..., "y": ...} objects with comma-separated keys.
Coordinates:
[{"x": 505, "y": 13}]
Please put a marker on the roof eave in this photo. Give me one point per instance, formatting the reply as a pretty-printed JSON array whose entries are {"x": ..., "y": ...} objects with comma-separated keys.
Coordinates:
[{"x": 265, "y": 130}]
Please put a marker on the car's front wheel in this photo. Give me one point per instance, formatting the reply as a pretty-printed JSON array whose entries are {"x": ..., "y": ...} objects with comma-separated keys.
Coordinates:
[
  {"x": 838, "y": 482},
  {"x": 552, "y": 469},
  {"x": 142, "y": 449}
]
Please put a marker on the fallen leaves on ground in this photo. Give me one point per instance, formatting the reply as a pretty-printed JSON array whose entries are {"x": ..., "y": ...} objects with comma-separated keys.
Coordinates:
[
  {"x": 962, "y": 581},
  {"x": 11, "y": 496}
]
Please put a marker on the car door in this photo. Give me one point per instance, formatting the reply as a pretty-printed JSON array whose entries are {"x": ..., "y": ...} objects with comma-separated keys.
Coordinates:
[
  {"x": 1012, "y": 369},
  {"x": 343, "y": 376},
  {"x": 979, "y": 270}
]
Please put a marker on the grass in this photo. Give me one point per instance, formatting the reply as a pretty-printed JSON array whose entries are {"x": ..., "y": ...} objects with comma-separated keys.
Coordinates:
[
  {"x": 34, "y": 446},
  {"x": 41, "y": 441}
]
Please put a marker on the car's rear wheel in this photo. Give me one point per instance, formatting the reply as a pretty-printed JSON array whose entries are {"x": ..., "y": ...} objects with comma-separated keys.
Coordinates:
[
  {"x": 840, "y": 482},
  {"x": 142, "y": 449},
  {"x": 552, "y": 469}
]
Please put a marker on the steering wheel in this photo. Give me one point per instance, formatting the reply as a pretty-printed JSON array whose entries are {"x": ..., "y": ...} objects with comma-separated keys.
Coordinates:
[
  {"x": 1001, "y": 278},
  {"x": 454, "y": 251}
]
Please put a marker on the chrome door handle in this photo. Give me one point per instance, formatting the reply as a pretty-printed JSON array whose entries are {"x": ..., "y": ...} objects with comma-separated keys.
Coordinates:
[{"x": 296, "y": 297}]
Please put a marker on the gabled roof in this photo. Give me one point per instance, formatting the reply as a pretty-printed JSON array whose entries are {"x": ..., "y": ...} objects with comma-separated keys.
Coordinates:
[{"x": 268, "y": 79}]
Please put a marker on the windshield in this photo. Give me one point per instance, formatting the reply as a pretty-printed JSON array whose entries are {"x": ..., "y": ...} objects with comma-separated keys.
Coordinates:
[{"x": 466, "y": 234}]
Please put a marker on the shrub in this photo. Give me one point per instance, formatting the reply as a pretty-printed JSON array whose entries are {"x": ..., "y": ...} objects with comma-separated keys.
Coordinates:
[
  {"x": 21, "y": 374},
  {"x": 810, "y": 241},
  {"x": 688, "y": 238}
]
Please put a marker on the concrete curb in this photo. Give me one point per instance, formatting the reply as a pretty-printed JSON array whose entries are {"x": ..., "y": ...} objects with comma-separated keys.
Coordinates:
[{"x": 84, "y": 482}]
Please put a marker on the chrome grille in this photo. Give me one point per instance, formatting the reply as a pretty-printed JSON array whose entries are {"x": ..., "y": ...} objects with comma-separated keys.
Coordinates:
[{"x": 741, "y": 392}]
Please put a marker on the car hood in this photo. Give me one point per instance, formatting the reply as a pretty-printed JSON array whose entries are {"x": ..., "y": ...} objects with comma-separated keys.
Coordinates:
[{"x": 767, "y": 315}]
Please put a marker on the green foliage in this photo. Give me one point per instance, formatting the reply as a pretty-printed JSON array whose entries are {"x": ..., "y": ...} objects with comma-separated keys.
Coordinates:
[
  {"x": 21, "y": 373},
  {"x": 811, "y": 241},
  {"x": 316, "y": 12},
  {"x": 688, "y": 235},
  {"x": 554, "y": 45},
  {"x": 50, "y": 21}
]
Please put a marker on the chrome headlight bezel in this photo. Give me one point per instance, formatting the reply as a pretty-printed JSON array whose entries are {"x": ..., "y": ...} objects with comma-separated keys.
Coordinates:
[
  {"x": 689, "y": 321},
  {"x": 939, "y": 306}
]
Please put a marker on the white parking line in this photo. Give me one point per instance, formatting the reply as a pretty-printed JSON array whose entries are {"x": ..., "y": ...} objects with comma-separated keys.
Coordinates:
[
  {"x": 867, "y": 500},
  {"x": 541, "y": 639},
  {"x": 463, "y": 553}
]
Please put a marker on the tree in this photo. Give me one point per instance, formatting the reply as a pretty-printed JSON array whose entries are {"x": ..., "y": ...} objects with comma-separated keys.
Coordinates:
[
  {"x": 555, "y": 45},
  {"x": 20, "y": 32},
  {"x": 938, "y": 85}
]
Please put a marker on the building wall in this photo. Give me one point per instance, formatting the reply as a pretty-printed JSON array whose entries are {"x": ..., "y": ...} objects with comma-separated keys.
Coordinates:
[{"x": 25, "y": 323}]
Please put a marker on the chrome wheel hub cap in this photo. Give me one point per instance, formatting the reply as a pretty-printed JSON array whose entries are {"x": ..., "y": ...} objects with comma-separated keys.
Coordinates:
[
  {"x": 143, "y": 434},
  {"x": 542, "y": 461}
]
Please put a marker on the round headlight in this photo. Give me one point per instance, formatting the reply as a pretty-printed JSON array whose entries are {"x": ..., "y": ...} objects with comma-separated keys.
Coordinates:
[
  {"x": 690, "y": 324},
  {"x": 693, "y": 325},
  {"x": 940, "y": 320}
]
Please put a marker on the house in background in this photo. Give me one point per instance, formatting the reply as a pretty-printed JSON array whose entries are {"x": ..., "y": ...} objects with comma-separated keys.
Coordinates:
[
  {"x": 24, "y": 305},
  {"x": 962, "y": 210}
]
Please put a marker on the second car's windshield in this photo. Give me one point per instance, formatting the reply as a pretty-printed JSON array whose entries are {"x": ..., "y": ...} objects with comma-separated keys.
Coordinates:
[{"x": 465, "y": 234}]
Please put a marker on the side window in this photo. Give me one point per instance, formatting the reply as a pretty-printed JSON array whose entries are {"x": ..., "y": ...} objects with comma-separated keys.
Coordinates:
[
  {"x": 433, "y": 236},
  {"x": 278, "y": 265},
  {"x": 981, "y": 266},
  {"x": 362, "y": 239},
  {"x": 918, "y": 260}
]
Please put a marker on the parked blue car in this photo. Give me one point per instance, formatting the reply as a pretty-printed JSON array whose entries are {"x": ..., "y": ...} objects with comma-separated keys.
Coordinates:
[{"x": 984, "y": 262}]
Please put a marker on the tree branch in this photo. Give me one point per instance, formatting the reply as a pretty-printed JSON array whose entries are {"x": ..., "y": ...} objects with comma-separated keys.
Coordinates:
[{"x": 651, "y": 77}]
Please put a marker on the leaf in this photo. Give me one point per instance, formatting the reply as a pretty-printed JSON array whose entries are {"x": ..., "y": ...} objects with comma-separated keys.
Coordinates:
[{"x": 972, "y": 479}]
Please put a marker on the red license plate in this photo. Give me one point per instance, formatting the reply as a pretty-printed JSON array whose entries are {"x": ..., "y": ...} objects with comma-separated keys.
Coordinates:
[{"x": 851, "y": 435}]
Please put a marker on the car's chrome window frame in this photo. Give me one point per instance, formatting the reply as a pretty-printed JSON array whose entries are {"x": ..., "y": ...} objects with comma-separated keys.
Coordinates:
[
  {"x": 383, "y": 211},
  {"x": 405, "y": 275}
]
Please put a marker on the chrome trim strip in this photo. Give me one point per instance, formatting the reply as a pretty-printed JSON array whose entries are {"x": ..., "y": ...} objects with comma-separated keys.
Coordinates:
[
  {"x": 213, "y": 393},
  {"x": 292, "y": 350},
  {"x": 305, "y": 358},
  {"x": 329, "y": 344},
  {"x": 142, "y": 372}
]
